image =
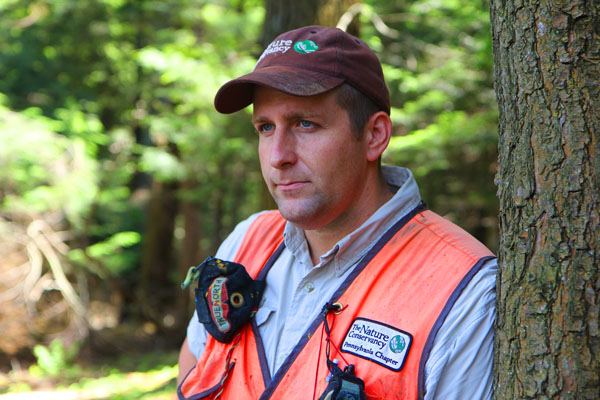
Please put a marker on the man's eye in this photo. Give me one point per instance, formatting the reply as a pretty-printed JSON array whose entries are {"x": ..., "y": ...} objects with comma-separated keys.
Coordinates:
[
  {"x": 306, "y": 124},
  {"x": 266, "y": 127}
]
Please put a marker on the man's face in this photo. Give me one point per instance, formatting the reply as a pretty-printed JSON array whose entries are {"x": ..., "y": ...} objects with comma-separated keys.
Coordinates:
[{"x": 313, "y": 165}]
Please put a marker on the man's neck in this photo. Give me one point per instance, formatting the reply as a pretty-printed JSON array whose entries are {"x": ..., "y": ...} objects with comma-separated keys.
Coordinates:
[{"x": 320, "y": 241}]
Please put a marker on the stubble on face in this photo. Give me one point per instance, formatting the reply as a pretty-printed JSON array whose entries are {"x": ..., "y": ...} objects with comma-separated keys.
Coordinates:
[{"x": 313, "y": 174}]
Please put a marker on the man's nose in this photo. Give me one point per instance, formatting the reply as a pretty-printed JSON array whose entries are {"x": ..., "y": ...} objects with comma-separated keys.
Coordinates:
[{"x": 283, "y": 148}]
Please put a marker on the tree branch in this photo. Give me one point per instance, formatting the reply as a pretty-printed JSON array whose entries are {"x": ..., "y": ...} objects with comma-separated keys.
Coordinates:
[{"x": 377, "y": 22}]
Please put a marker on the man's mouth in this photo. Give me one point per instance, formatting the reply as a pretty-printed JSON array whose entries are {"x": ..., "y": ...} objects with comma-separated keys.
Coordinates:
[{"x": 291, "y": 185}]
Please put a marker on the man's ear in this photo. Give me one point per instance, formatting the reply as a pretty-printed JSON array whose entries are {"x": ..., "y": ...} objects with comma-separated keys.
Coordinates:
[{"x": 377, "y": 131}]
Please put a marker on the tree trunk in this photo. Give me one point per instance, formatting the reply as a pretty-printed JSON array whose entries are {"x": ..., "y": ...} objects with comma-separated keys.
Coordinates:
[
  {"x": 547, "y": 69},
  {"x": 158, "y": 257},
  {"x": 282, "y": 16},
  {"x": 191, "y": 253}
]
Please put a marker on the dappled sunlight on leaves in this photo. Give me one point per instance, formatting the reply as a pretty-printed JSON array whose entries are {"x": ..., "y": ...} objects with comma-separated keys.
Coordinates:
[{"x": 99, "y": 381}]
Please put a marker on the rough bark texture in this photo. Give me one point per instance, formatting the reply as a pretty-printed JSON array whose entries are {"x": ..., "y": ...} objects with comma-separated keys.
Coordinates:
[{"x": 547, "y": 58}]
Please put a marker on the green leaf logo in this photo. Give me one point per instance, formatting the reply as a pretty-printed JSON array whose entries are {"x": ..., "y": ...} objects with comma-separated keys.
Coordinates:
[
  {"x": 397, "y": 344},
  {"x": 306, "y": 47}
]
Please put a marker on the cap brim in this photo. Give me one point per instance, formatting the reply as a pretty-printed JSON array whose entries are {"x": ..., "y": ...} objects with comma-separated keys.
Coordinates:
[{"x": 238, "y": 93}]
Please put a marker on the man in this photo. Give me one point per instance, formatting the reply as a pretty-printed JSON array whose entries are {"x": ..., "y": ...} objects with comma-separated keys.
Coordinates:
[{"x": 365, "y": 288}]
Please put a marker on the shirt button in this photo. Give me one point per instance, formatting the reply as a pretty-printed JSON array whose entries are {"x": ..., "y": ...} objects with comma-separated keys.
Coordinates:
[{"x": 309, "y": 287}]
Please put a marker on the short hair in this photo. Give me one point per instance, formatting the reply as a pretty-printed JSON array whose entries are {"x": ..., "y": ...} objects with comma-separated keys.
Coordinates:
[{"x": 358, "y": 106}]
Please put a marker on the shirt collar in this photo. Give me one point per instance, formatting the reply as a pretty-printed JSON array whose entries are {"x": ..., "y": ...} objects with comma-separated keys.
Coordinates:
[{"x": 354, "y": 246}]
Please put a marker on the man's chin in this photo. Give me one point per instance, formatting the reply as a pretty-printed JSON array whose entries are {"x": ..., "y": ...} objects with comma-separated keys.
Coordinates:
[{"x": 303, "y": 219}]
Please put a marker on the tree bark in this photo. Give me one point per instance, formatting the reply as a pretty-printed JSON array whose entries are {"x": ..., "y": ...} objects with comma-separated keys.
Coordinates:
[{"x": 547, "y": 73}]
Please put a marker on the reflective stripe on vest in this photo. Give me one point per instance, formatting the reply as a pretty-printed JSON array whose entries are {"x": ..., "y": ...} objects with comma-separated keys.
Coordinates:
[{"x": 409, "y": 280}]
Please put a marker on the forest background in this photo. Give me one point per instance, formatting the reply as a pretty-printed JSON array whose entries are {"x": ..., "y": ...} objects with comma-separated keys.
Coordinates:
[{"x": 117, "y": 175}]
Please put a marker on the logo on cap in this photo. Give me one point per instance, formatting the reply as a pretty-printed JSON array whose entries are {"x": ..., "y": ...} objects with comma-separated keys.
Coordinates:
[{"x": 306, "y": 47}]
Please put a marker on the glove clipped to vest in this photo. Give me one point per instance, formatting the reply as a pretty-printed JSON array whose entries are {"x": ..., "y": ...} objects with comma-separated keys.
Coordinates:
[{"x": 226, "y": 297}]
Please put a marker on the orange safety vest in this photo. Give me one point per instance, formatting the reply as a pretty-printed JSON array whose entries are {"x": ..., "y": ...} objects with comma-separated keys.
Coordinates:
[{"x": 396, "y": 298}]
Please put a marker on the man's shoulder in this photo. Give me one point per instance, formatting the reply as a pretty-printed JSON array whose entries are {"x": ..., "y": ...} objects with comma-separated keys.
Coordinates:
[
  {"x": 451, "y": 233},
  {"x": 268, "y": 216},
  {"x": 232, "y": 243},
  {"x": 262, "y": 223}
]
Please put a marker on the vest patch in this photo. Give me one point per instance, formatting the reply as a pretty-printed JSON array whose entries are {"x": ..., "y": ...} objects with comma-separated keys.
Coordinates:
[{"x": 377, "y": 342}]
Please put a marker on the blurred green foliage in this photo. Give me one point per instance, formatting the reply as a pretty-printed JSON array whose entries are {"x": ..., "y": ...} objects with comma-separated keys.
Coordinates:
[
  {"x": 439, "y": 69},
  {"x": 139, "y": 376},
  {"x": 42, "y": 171},
  {"x": 98, "y": 96},
  {"x": 100, "y": 100},
  {"x": 55, "y": 360},
  {"x": 156, "y": 383}
]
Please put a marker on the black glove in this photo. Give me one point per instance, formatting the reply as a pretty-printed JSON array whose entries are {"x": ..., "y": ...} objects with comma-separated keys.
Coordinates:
[{"x": 226, "y": 297}]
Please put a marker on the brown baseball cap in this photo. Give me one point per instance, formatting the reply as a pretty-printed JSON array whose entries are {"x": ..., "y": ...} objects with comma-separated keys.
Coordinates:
[{"x": 309, "y": 61}]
